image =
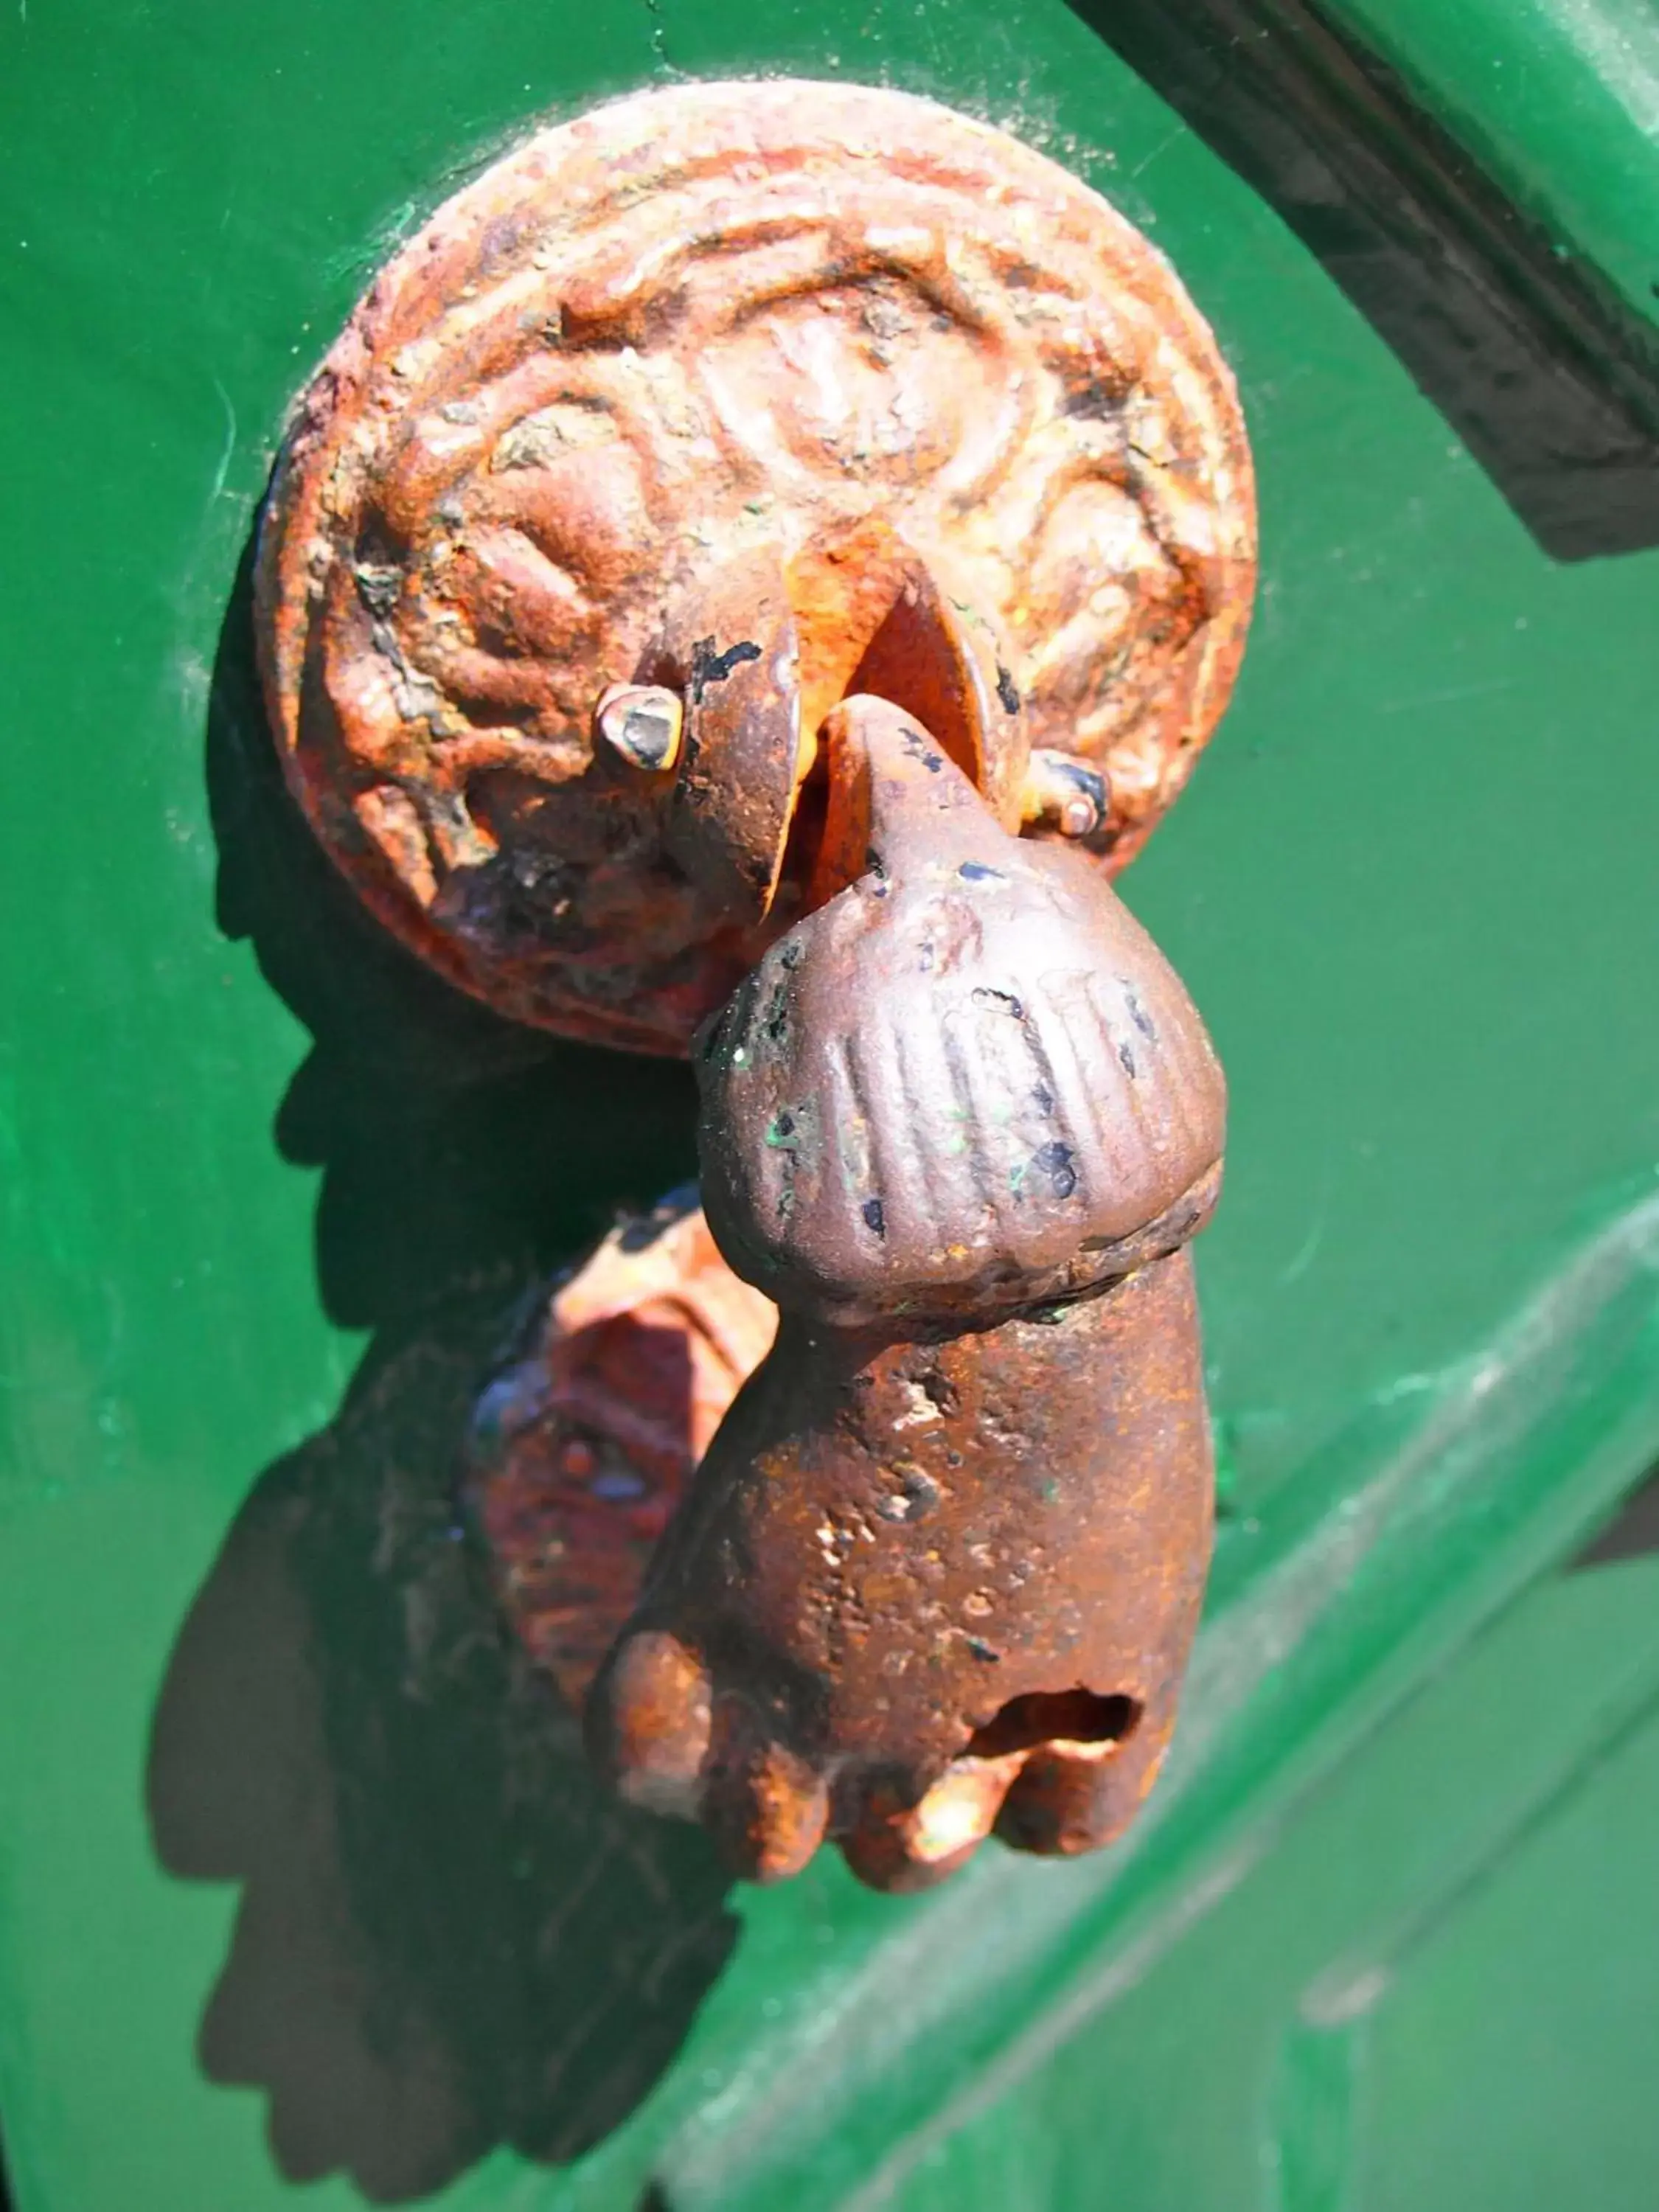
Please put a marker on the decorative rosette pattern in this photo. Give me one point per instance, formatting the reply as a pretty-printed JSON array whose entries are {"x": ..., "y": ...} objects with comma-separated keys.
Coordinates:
[{"x": 704, "y": 325}]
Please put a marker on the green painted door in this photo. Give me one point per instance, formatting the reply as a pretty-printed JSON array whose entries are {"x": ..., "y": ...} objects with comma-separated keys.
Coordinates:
[{"x": 303, "y": 1891}]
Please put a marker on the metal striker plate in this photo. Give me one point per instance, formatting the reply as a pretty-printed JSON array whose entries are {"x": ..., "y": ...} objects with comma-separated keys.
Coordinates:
[{"x": 761, "y": 394}]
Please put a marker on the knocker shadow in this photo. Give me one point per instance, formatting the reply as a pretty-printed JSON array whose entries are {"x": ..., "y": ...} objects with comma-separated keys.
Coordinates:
[{"x": 447, "y": 1940}]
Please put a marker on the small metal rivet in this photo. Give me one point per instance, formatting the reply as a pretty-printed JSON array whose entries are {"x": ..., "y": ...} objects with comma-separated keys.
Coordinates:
[
  {"x": 1064, "y": 793},
  {"x": 643, "y": 723}
]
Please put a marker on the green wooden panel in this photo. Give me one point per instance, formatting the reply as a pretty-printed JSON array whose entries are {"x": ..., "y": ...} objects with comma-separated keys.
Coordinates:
[
  {"x": 1434, "y": 1993},
  {"x": 300, "y": 1887},
  {"x": 1557, "y": 101}
]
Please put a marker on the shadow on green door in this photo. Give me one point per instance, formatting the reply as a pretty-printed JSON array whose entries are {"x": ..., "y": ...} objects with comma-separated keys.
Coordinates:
[{"x": 446, "y": 1939}]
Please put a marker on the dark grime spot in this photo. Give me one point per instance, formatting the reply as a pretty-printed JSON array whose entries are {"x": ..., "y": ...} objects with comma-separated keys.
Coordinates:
[
  {"x": 1092, "y": 399},
  {"x": 378, "y": 587},
  {"x": 1043, "y": 1099},
  {"x": 1139, "y": 1015},
  {"x": 922, "y": 1491},
  {"x": 1007, "y": 690},
  {"x": 1055, "y": 1161},
  {"x": 1125, "y": 1060},
  {"x": 939, "y": 1391},
  {"x": 918, "y": 747},
  {"x": 986, "y": 995},
  {"x": 874, "y": 1219},
  {"x": 915, "y": 1499},
  {"x": 976, "y": 871},
  {"x": 982, "y": 1650},
  {"x": 708, "y": 667}
]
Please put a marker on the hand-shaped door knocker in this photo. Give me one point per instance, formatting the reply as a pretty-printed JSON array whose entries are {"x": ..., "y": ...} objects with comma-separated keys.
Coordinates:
[{"x": 751, "y": 569}]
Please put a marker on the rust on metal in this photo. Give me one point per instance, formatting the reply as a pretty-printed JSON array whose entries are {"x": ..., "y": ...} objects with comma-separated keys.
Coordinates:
[
  {"x": 584, "y": 1443},
  {"x": 956, "y": 412},
  {"x": 752, "y": 569},
  {"x": 733, "y": 650},
  {"x": 940, "y": 1570}
]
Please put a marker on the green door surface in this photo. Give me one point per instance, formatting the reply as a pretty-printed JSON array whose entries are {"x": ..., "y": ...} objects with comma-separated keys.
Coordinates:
[{"x": 304, "y": 1894}]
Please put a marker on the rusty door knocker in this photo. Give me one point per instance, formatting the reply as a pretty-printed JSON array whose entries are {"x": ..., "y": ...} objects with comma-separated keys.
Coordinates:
[{"x": 752, "y": 569}]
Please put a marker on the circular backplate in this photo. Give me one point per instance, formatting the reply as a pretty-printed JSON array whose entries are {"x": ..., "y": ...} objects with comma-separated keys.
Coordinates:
[{"x": 705, "y": 334}]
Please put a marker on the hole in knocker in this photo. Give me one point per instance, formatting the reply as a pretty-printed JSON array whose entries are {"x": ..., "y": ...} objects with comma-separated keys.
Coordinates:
[{"x": 1041, "y": 1717}]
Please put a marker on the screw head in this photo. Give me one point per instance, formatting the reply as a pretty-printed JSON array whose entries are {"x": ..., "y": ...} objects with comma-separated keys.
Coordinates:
[
  {"x": 642, "y": 722},
  {"x": 1064, "y": 793}
]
